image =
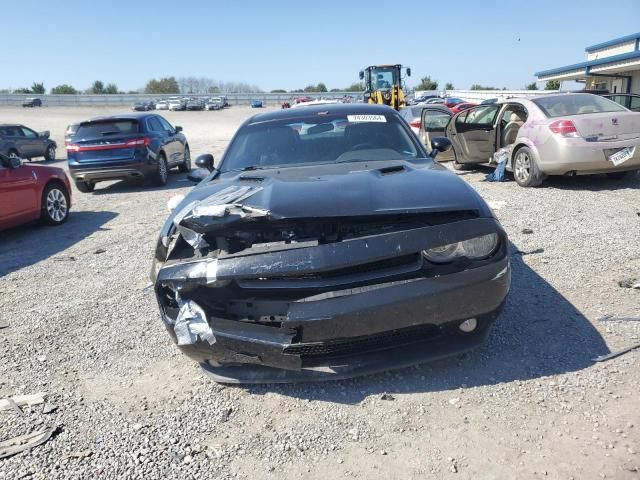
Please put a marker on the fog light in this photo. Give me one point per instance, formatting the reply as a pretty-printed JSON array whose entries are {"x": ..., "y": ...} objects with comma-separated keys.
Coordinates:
[{"x": 468, "y": 325}]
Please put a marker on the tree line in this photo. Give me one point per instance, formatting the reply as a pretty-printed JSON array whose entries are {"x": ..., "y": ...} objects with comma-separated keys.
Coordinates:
[{"x": 426, "y": 83}]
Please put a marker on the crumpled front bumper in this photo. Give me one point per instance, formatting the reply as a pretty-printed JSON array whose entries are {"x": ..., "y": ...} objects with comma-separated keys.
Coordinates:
[{"x": 419, "y": 318}]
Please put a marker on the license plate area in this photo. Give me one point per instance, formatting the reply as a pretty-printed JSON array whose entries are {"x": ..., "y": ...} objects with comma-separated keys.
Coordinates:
[{"x": 618, "y": 156}]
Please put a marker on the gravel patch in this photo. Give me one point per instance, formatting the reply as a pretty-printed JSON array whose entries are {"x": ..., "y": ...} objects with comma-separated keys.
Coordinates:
[{"x": 530, "y": 403}]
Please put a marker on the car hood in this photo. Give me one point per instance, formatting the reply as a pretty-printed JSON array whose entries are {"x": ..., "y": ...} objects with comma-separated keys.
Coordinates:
[{"x": 338, "y": 190}]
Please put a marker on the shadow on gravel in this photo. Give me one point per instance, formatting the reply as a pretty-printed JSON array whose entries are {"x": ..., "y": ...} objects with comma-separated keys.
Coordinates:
[
  {"x": 592, "y": 183},
  {"x": 176, "y": 180},
  {"x": 29, "y": 244},
  {"x": 539, "y": 334}
]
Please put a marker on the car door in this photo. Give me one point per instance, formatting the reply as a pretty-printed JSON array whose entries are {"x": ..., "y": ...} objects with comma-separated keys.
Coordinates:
[
  {"x": 33, "y": 144},
  {"x": 473, "y": 133},
  {"x": 433, "y": 124},
  {"x": 175, "y": 149},
  {"x": 19, "y": 193}
]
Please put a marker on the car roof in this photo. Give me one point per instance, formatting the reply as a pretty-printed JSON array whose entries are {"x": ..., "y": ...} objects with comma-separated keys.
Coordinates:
[
  {"x": 11, "y": 125},
  {"x": 331, "y": 108},
  {"x": 124, "y": 116}
]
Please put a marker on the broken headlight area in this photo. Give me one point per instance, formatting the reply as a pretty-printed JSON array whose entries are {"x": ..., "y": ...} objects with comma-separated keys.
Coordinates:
[{"x": 477, "y": 248}]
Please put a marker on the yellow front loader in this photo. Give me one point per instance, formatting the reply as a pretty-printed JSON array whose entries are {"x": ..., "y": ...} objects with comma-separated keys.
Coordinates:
[{"x": 383, "y": 85}]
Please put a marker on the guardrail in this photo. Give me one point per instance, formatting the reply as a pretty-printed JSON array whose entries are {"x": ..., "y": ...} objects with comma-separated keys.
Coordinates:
[{"x": 130, "y": 99}]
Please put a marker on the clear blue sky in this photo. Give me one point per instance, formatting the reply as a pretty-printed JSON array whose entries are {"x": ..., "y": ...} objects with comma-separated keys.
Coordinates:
[{"x": 290, "y": 44}]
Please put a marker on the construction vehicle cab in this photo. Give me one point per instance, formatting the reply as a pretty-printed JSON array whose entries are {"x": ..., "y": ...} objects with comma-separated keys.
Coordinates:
[{"x": 383, "y": 85}]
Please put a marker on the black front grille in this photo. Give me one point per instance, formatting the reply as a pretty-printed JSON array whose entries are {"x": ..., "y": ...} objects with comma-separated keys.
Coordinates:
[{"x": 356, "y": 345}]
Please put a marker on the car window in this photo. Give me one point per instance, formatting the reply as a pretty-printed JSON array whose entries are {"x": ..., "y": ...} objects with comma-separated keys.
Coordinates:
[
  {"x": 321, "y": 139},
  {"x": 106, "y": 127},
  {"x": 483, "y": 115},
  {"x": 435, "y": 120},
  {"x": 513, "y": 113},
  {"x": 155, "y": 125},
  {"x": 577, "y": 104},
  {"x": 165, "y": 125},
  {"x": 27, "y": 132}
]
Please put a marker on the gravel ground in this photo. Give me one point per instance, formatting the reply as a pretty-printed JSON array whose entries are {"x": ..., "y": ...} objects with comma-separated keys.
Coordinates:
[{"x": 531, "y": 403}]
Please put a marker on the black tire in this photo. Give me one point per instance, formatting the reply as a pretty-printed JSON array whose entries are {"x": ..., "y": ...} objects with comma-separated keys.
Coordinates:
[
  {"x": 85, "y": 187},
  {"x": 185, "y": 166},
  {"x": 621, "y": 175},
  {"x": 55, "y": 204},
  {"x": 161, "y": 174},
  {"x": 525, "y": 169},
  {"x": 50, "y": 153}
]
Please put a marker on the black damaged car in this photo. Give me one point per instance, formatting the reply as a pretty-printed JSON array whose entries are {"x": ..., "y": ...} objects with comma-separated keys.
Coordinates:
[{"x": 326, "y": 244}]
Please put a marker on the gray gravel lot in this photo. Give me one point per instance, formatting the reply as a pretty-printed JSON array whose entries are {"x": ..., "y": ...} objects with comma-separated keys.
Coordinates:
[{"x": 531, "y": 403}]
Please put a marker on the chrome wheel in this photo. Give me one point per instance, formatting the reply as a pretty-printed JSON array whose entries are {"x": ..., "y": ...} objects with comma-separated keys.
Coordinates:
[
  {"x": 522, "y": 170},
  {"x": 57, "y": 207}
]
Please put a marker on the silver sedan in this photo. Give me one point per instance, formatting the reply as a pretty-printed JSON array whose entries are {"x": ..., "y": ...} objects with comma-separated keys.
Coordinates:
[{"x": 559, "y": 134}]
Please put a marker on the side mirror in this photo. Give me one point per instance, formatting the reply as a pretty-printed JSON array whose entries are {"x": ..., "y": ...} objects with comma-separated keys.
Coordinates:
[
  {"x": 178, "y": 129},
  {"x": 361, "y": 74},
  {"x": 14, "y": 162},
  {"x": 439, "y": 145},
  {"x": 44, "y": 134},
  {"x": 205, "y": 161},
  {"x": 198, "y": 175},
  {"x": 408, "y": 71}
]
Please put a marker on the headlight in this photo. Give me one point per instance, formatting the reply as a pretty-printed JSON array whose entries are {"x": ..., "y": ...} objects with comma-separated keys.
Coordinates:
[{"x": 474, "y": 249}]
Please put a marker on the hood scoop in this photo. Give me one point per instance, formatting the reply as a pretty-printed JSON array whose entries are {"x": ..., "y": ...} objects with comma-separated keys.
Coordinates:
[
  {"x": 250, "y": 178},
  {"x": 391, "y": 170}
]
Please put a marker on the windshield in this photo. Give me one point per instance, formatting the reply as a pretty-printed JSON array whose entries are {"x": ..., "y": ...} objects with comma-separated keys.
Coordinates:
[
  {"x": 320, "y": 139},
  {"x": 577, "y": 104},
  {"x": 383, "y": 78}
]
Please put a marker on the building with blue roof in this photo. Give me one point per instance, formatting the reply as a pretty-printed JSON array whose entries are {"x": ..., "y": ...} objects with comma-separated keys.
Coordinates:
[{"x": 613, "y": 65}]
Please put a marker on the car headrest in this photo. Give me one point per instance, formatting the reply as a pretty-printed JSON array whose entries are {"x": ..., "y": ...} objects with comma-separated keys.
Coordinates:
[{"x": 515, "y": 117}]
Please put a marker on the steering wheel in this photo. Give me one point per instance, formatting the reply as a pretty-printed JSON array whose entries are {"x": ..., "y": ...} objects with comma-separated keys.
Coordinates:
[{"x": 362, "y": 146}]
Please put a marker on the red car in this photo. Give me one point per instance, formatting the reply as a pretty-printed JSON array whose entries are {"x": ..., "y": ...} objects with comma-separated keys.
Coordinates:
[
  {"x": 458, "y": 107},
  {"x": 32, "y": 192}
]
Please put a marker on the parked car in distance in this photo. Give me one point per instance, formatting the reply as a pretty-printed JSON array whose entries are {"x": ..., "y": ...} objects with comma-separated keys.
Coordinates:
[
  {"x": 434, "y": 100},
  {"x": 70, "y": 131},
  {"x": 140, "y": 107},
  {"x": 328, "y": 251},
  {"x": 215, "y": 103},
  {"x": 413, "y": 114},
  {"x": 32, "y": 192},
  {"x": 558, "y": 134},
  {"x": 256, "y": 103},
  {"x": 452, "y": 101},
  {"x": 195, "y": 104},
  {"x": 627, "y": 100},
  {"x": 177, "y": 105},
  {"x": 458, "y": 107},
  {"x": 162, "y": 105},
  {"x": 19, "y": 141},
  {"x": 32, "y": 102},
  {"x": 489, "y": 101},
  {"x": 422, "y": 99},
  {"x": 125, "y": 146}
]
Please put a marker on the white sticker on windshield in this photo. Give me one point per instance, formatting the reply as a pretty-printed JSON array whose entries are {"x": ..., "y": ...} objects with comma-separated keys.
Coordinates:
[{"x": 366, "y": 118}]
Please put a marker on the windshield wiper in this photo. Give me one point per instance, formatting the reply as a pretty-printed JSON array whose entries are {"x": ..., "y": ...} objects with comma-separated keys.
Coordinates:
[{"x": 244, "y": 169}]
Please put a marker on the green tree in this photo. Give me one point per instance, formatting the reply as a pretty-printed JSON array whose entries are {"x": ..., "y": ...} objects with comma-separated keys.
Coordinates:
[
  {"x": 355, "y": 87},
  {"x": 278, "y": 90},
  {"x": 427, "y": 84},
  {"x": 477, "y": 86},
  {"x": 22, "y": 90},
  {"x": 449, "y": 86},
  {"x": 163, "y": 85},
  {"x": 63, "y": 89},
  {"x": 38, "y": 88},
  {"x": 321, "y": 87},
  {"x": 552, "y": 85},
  {"x": 97, "y": 88},
  {"x": 111, "y": 89},
  {"x": 531, "y": 86}
]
